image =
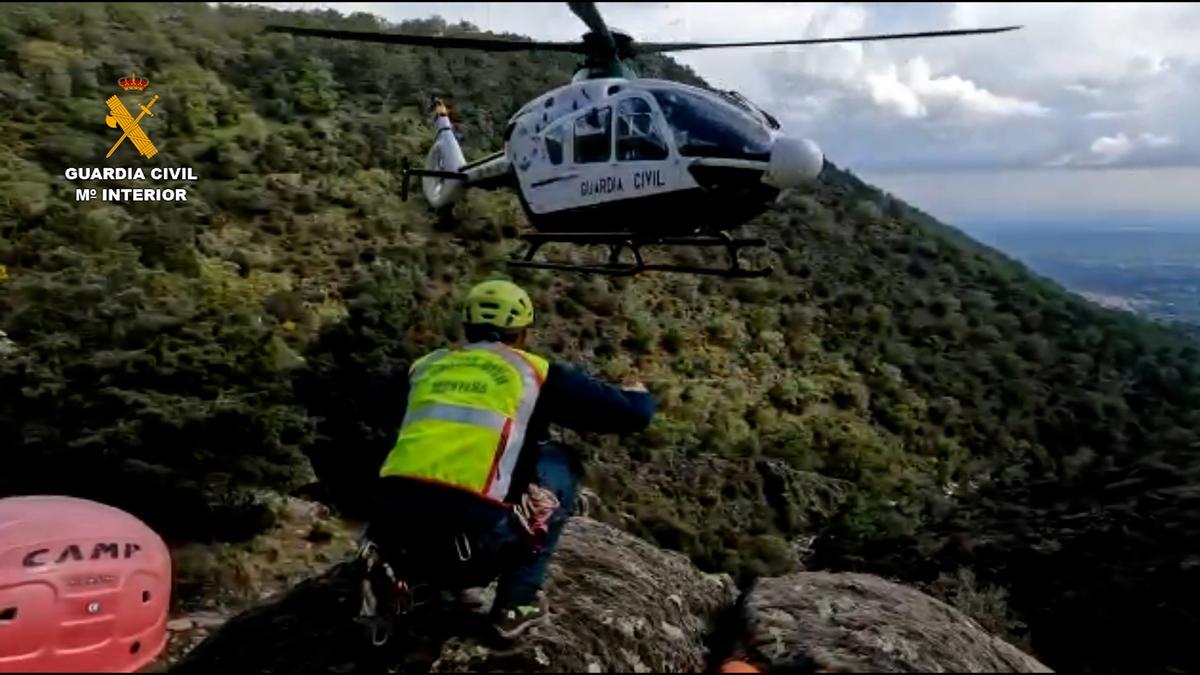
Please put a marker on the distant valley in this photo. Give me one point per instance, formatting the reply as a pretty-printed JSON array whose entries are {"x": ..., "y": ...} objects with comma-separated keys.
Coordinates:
[{"x": 1150, "y": 269}]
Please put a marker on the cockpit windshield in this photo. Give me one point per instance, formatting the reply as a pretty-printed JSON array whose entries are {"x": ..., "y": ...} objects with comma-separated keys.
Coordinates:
[
  {"x": 743, "y": 103},
  {"x": 704, "y": 127}
]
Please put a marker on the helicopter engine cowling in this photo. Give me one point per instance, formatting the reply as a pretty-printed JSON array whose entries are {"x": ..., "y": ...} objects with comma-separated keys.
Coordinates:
[
  {"x": 445, "y": 155},
  {"x": 794, "y": 161}
]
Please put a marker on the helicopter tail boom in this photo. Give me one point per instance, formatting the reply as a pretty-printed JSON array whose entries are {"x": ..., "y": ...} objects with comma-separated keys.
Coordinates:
[{"x": 438, "y": 181}]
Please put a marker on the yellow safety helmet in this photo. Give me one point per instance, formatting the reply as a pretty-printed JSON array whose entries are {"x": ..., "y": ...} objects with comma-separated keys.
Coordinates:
[{"x": 498, "y": 303}]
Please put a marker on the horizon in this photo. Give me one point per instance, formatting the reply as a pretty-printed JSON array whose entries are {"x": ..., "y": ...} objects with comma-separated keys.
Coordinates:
[{"x": 1050, "y": 197}]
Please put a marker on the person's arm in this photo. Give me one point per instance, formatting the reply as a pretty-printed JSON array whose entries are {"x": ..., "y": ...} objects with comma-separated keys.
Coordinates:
[{"x": 575, "y": 400}]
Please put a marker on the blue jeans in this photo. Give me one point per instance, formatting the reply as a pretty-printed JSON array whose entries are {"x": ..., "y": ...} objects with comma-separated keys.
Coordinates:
[{"x": 557, "y": 469}]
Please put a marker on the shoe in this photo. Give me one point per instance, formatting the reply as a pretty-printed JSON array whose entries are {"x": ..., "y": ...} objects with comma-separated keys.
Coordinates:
[{"x": 510, "y": 623}]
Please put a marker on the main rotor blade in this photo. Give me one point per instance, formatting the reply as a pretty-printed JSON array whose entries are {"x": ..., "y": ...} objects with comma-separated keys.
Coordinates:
[
  {"x": 443, "y": 42},
  {"x": 587, "y": 12},
  {"x": 649, "y": 47}
]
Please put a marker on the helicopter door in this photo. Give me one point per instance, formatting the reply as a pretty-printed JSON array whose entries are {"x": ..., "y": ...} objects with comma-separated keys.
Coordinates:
[
  {"x": 621, "y": 153},
  {"x": 578, "y": 151},
  {"x": 641, "y": 149},
  {"x": 592, "y": 156},
  {"x": 604, "y": 154},
  {"x": 578, "y": 170}
]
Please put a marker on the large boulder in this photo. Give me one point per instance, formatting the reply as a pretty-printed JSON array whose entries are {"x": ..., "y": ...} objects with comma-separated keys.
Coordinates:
[
  {"x": 617, "y": 604},
  {"x": 621, "y": 604},
  {"x": 860, "y": 623}
]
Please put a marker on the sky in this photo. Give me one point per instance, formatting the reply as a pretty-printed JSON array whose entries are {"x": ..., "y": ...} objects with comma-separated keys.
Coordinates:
[{"x": 1090, "y": 110}]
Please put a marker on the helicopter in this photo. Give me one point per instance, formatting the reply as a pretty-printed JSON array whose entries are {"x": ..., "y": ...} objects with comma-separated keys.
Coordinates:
[{"x": 621, "y": 161}]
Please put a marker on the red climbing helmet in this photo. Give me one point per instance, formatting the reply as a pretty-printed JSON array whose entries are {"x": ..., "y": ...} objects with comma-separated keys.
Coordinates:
[{"x": 83, "y": 587}]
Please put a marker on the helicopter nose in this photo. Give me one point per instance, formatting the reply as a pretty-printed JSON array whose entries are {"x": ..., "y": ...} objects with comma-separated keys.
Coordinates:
[{"x": 794, "y": 161}]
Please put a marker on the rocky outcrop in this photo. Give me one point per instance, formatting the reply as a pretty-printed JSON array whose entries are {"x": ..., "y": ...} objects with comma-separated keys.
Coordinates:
[
  {"x": 860, "y": 623},
  {"x": 802, "y": 500},
  {"x": 617, "y": 603}
]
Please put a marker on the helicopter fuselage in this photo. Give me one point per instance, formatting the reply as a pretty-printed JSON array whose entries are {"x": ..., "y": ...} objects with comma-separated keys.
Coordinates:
[
  {"x": 601, "y": 155},
  {"x": 631, "y": 155}
]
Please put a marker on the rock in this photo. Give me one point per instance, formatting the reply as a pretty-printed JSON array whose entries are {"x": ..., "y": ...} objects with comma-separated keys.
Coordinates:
[
  {"x": 196, "y": 621},
  {"x": 617, "y": 604},
  {"x": 307, "y": 629},
  {"x": 620, "y": 604},
  {"x": 801, "y": 499},
  {"x": 7, "y": 346},
  {"x": 318, "y": 534},
  {"x": 304, "y": 510},
  {"x": 608, "y": 596},
  {"x": 207, "y": 620},
  {"x": 586, "y": 502},
  {"x": 861, "y": 623}
]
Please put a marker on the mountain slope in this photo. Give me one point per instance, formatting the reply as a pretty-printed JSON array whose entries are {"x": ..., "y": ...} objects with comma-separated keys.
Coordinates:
[{"x": 914, "y": 401}]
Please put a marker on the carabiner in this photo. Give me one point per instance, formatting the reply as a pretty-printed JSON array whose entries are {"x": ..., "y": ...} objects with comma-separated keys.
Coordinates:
[{"x": 462, "y": 546}]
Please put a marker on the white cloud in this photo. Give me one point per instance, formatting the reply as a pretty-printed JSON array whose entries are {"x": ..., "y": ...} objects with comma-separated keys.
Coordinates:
[
  {"x": 889, "y": 92},
  {"x": 1083, "y": 89},
  {"x": 1107, "y": 114},
  {"x": 1155, "y": 141},
  {"x": 913, "y": 91},
  {"x": 1108, "y": 149},
  {"x": 1090, "y": 44},
  {"x": 909, "y": 90},
  {"x": 952, "y": 90},
  {"x": 1146, "y": 65},
  {"x": 1113, "y": 150}
]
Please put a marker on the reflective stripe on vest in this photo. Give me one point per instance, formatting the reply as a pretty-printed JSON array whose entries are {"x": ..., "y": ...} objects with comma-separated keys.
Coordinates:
[
  {"x": 531, "y": 386},
  {"x": 458, "y": 413},
  {"x": 463, "y": 462}
]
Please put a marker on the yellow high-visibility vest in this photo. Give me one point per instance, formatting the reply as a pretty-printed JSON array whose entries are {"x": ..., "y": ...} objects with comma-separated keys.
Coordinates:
[{"x": 467, "y": 416}]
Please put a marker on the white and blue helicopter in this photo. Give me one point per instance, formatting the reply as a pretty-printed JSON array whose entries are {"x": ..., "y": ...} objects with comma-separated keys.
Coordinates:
[{"x": 621, "y": 161}]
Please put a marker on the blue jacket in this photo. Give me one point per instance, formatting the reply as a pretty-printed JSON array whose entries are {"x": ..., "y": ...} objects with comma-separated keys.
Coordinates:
[{"x": 573, "y": 399}]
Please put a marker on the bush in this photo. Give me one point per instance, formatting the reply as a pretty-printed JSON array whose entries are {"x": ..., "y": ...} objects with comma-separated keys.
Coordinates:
[
  {"x": 984, "y": 603},
  {"x": 353, "y": 378},
  {"x": 175, "y": 408}
]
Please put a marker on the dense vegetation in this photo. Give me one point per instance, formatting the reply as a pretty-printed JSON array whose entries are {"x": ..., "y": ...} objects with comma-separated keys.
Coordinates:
[{"x": 918, "y": 403}]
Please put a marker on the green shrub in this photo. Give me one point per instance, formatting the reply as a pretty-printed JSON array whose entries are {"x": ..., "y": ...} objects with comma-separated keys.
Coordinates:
[{"x": 174, "y": 407}]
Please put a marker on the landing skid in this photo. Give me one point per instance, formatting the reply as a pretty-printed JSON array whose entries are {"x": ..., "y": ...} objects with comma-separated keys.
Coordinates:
[{"x": 617, "y": 243}]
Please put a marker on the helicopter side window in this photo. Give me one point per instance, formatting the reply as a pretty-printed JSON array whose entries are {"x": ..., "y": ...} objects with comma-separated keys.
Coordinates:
[
  {"x": 593, "y": 136},
  {"x": 637, "y": 135},
  {"x": 554, "y": 145}
]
